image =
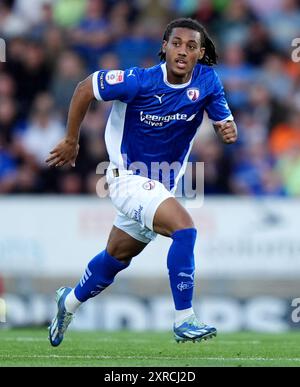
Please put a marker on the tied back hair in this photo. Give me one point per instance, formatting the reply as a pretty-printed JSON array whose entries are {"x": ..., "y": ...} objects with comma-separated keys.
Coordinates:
[{"x": 210, "y": 57}]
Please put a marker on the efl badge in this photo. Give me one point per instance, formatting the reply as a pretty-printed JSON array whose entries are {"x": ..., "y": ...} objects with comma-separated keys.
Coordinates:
[
  {"x": 114, "y": 76},
  {"x": 149, "y": 185},
  {"x": 193, "y": 94}
]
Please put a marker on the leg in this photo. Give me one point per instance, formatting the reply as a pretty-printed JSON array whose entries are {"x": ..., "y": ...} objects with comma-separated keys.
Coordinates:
[
  {"x": 172, "y": 220},
  {"x": 102, "y": 269},
  {"x": 122, "y": 246},
  {"x": 99, "y": 274},
  {"x": 180, "y": 228},
  {"x": 170, "y": 216}
]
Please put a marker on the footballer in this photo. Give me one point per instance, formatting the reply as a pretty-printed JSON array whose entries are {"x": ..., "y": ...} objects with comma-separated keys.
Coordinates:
[{"x": 154, "y": 119}]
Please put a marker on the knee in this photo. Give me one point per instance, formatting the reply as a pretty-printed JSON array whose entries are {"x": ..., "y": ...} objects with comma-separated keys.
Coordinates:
[
  {"x": 120, "y": 253},
  {"x": 183, "y": 224}
]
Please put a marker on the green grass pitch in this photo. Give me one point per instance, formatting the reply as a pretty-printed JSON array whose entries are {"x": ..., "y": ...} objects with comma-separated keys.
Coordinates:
[{"x": 30, "y": 347}]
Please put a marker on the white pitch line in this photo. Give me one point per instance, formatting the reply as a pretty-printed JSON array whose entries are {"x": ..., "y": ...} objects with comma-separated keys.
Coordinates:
[
  {"x": 230, "y": 342},
  {"x": 23, "y": 339},
  {"x": 99, "y": 357}
]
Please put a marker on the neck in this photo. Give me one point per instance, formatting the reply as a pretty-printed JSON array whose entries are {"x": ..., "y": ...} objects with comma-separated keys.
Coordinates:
[{"x": 176, "y": 79}]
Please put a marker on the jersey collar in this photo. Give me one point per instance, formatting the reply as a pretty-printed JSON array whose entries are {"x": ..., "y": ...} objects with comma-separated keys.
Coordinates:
[{"x": 174, "y": 86}]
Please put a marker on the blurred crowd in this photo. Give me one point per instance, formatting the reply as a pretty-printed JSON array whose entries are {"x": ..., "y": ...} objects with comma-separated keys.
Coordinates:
[{"x": 53, "y": 44}]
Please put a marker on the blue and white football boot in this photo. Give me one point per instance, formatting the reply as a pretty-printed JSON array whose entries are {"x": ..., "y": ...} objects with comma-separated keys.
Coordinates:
[
  {"x": 192, "y": 330},
  {"x": 62, "y": 319}
]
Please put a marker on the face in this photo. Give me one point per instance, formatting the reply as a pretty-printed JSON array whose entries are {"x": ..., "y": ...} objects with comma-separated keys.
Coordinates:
[{"x": 183, "y": 50}]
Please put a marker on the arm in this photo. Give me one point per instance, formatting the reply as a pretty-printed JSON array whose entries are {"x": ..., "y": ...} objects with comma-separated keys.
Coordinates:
[
  {"x": 226, "y": 131},
  {"x": 103, "y": 85},
  {"x": 67, "y": 150},
  {"x": 218, "y": 111}
]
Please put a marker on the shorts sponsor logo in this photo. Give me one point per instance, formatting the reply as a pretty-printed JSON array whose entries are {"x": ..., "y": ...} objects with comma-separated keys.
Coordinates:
[
  {"x": 115, "y": 76},
  {"x": 193, "y": 94},
  {"x": 149, "y": 185},
  {"x": 102, "y": 80},
  {"x": 137, "y": 214}
]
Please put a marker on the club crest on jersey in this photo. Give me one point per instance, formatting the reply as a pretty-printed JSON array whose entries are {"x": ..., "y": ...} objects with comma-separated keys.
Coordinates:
[
  {"x": 193, "y": 94},
  {"x": 114, "y": 76},
  {"x": 149, "y": 185}
]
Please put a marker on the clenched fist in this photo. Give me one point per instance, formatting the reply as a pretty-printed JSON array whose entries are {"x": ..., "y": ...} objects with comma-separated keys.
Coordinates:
[{"x": 226, "y": 131}]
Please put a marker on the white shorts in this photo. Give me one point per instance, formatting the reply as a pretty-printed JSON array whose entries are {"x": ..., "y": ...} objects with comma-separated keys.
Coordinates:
[{"x": 136, "y": 199}]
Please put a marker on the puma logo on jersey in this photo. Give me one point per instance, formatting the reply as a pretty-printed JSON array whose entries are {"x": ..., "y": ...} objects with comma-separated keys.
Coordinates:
[
  {"x": 159, "y": 97},
  {"x": 131, "y": 73}
]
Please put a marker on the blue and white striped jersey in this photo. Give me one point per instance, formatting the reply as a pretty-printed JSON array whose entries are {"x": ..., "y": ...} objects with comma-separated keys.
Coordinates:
[{"x": 153, "y": 121}]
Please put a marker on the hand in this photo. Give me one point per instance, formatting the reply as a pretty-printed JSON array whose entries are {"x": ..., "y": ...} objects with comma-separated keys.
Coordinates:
[
  {"x": 227, "y": 131},
  {"x": 64, "y": 153}
]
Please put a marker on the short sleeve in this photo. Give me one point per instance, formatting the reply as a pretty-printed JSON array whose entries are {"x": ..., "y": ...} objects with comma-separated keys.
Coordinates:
[
  {"x": 110, "y": 85},
  {"x": 217, "y": 107}
]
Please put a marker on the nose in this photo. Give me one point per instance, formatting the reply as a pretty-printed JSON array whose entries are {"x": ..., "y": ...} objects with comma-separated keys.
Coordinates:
[{"x": 182, "y": 50}]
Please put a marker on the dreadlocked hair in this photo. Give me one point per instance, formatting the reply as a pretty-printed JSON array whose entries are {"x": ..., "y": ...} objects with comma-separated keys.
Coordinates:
[{"x": 210, "y": 56}]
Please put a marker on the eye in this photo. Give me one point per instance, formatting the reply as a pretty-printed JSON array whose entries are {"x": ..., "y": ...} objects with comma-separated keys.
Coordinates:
[
  {"x": 192, "y": 48},
  {"x": 176, "y": 44}
]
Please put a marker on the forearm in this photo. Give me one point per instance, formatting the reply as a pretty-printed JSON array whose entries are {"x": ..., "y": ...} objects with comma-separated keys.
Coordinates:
[{"x": 80, "y": 102}]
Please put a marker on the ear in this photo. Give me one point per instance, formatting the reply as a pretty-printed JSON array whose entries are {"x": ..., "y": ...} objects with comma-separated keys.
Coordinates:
[
  {"x": 202, "y": 53},
  {"x": 164, "y": 45}
]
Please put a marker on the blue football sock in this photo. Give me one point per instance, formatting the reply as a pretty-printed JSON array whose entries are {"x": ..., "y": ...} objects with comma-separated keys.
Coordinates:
[
  {"x": 181, "y": 267},
  {"x": 99, "y": 274}
]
